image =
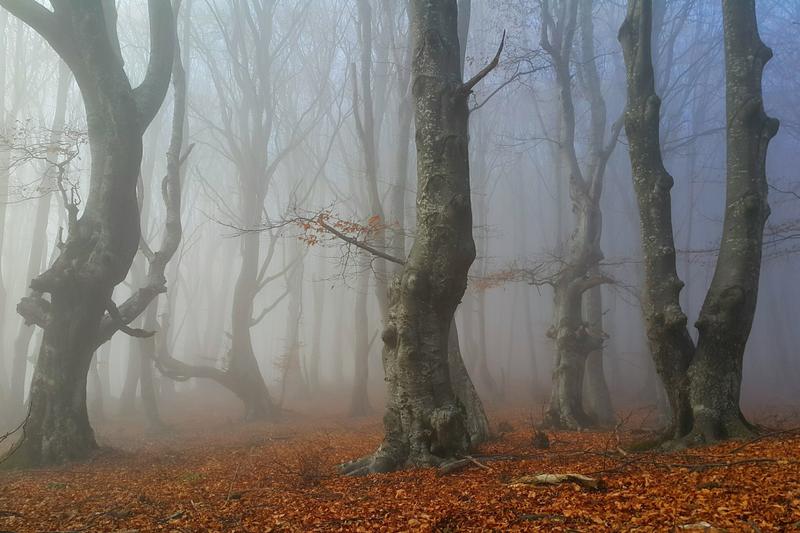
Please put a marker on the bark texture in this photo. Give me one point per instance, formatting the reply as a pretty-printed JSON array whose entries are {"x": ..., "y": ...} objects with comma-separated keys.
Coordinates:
[
  {"x": 702, "y": 382},
  {"x": 574, "y": 338},
  {"x": 102, "y": 242},
  {"x": 425, "y": 423}
]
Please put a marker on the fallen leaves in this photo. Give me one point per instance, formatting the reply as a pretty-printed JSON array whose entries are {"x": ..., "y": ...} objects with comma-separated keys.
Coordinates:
[{"x": 218, "y": 476}]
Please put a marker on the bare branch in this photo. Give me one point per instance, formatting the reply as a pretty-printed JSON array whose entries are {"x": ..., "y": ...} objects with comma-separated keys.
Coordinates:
[
  {"x": 121, "y": 325},
  {"x": 466, "y": 88}
]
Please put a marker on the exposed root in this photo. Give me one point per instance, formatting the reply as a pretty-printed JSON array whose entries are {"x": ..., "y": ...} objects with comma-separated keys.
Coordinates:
[
  {"x": 379, "y": 462},
  {"x": 708, "y": 430},
  {"x": 385, "y": 460},
  {"x": 568, "y": 420}
]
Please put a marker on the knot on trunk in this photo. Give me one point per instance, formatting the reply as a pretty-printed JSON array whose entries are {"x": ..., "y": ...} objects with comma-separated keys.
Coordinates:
[
  {"x": 582, "y": 339},
  {"x": 389, "y": 336},
  {"x": 416, "y": 284},
  {"x": 34, "y": 310},
  {"x": 674, "y": 318},
  {"x": 722, "y": 310},
  {"x": 448, "y": 435}
]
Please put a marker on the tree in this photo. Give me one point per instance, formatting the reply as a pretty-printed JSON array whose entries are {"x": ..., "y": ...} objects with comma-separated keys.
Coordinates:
[
  {"x": 256, "y": 138},
  {"x": 425, "y": 424},
  {"x": 703, "y": 381},
  {"x": 103, "y": 240},
  {"x": 576, "y": 339}
]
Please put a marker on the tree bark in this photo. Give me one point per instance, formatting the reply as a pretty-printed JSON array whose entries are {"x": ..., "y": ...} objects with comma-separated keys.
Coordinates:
[
  {"x": 101, "y": 243},
  {"x": 574, "y": 338},
  {"x": 725, "y": 320},
  {"x": 702, "y": 384},
  {"x": 425, "y": 423},
  {"x": 596, "y": 398},
  {"x": 477, "y": 422},
  {"x": 243, "y": 366}
]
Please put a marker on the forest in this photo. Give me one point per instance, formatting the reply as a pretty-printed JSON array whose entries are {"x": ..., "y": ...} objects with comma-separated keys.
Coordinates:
[{"x": 399, "y": 265}]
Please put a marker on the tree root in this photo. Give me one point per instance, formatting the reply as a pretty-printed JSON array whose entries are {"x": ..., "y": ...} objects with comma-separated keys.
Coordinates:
[
  {"x": 384, "y": 460},
  {"x": 710, "y": 430},
  {"x": 378, "y": 462}
]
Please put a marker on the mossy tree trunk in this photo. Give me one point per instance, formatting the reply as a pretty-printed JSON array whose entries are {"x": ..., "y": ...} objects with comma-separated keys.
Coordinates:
[
  {"x": 703, "y": 382},
  {"x": 102, "y": 242},
  {"x": 425, "y": 423}
]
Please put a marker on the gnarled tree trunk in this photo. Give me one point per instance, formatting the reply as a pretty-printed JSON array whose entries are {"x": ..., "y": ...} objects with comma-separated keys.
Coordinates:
[
  {"x": 726, "y": 317},
  {"x": 702, "y": 382},
  {"x": 102, "y": 242},
  {"x": 576, "y": 339},
  {"x": 425, "y": 423}
]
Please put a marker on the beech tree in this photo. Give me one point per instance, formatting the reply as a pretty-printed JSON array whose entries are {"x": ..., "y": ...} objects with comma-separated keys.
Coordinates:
[
  {"x": 102, "y": 241},
  {"x": 578, "y": 280},
  {"x": 425, "y": 424},
  {"x": 702, "y": 380}
]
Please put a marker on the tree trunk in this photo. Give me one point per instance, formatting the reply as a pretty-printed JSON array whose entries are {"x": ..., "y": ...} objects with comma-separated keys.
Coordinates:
[
  {"x": 575, "y": 339},
  {"x": 702, "y": 384},
  {"x": 477, "y": 422},
  {"x": 147, "y": 354},
  {"x": 425, "y": 423},
  {"x": 319, "y": 293},
  {"x": 243, "y": 366},
  {"x": 293, "y": 381},
  {"x": 574, "y": 343},
  {"x": 596, "y": 398},
  {"x": 715, "y": 375},
  {"x": 58, "y": 428},
  {"x": 101, "y": 243},
  {"x": 359, "y": 401}
]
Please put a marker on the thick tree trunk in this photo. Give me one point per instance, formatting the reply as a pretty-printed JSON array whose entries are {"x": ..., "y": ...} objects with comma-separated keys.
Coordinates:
[
  {"x": 670, "y": 344},
  {"x": 726, "y": 317},
  {"x": 477, "y": 422},
  {"x": 425, "y": 423},
  {"x": 101, "y": 243},
  {"x": 702, "y": 385},
  {"x": 58, "y": 428},
  {"x": 574, "y": 342}
]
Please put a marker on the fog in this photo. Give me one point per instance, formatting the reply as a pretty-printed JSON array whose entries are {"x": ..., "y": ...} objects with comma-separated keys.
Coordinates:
[{"x": 299, "y": 177}]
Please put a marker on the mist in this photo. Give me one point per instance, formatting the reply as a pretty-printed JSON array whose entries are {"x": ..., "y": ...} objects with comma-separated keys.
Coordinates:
[{"x": 423, "y": 221}]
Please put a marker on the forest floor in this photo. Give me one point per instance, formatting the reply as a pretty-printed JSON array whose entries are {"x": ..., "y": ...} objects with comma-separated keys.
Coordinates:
[{"x": 211, "y": 473}]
